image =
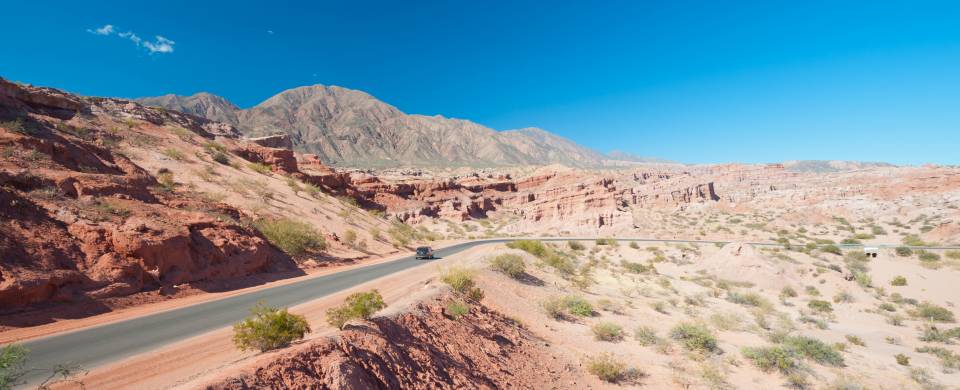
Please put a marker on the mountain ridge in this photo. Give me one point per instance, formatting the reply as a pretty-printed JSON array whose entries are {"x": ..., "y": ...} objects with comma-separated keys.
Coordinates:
[{"x": 353, "y": 128}]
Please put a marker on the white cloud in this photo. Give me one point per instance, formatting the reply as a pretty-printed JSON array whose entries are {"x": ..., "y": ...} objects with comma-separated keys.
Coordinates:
[
  {"x": 270, "y": 32},
  {"x": 107, "y": 29},
  {"x": 160, "y": 45}
]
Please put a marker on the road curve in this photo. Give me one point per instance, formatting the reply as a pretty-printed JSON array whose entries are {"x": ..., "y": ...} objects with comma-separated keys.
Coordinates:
[{"x": 97, "y": 345}]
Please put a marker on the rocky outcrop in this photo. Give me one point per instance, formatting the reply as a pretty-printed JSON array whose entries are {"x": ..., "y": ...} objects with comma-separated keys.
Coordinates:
[
  {"x": 279, "y": 141},
  {"x": 280, "y": 160},
  {"x": 80, "y": 222},
  {"x": 421, "y": 349}
]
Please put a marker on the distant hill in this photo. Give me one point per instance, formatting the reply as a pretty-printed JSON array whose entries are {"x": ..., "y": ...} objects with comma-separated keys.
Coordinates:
[
  {"x": 625, "y": 156},
  {"x": 825, "y": 166},
  {"x": 349, "y": 127}
]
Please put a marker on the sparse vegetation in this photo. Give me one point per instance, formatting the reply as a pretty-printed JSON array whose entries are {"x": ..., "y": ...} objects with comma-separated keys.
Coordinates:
[
  {"x": 903, "y": 251},
  {"x": 359, "y": 305},
  {"x": 574, "y": 245},
  {"x": 902, "y": 359},
  {"x": 269, "y": 328},
  {"x": 461, "y": 281},
  {"x": 932, "y": 312},
  {"x": 820, "y": 306},
  {"x": 694, "y": 337},
  {"x": 13, "y": 358},
  {"x": 606, "y": 367},
  {"x": 567, "y": 307},
  {"x": 607, "y": 331},
  {"x": 898, "y": 281},
  {"x": 510, "y": 264},
  {"x": 646, "y": 336},
  {"x": 456, "y": 309},
  {"x": 260, "y": 168},
  {"x": 293, "y": 237}
]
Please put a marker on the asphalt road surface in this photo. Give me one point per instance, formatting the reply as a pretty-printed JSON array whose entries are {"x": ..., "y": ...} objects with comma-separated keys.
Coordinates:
[{"x": 95, "y": 346}]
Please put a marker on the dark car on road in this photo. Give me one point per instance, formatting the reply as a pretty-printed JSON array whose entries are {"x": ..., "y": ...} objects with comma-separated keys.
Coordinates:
[{"x": 424, "y": 252}]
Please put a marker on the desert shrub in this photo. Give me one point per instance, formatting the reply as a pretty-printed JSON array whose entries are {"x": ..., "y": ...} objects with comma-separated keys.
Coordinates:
[
  {"x": 775, "y": 357},
  {"x": 533, "y": 247},
  {"x": 165, "y": 179},
  {"x": 636, "y": 268},
  {"x": 510, "y": 264},
  {"x": 788, "y": 292},
  {"x": 175, "y": 154},
  {"x": 457, "y": 309},
  {"x": 927, "y": 256},
  {"x": 562, "y": 264},
  {"x": 694, "y": 337},
  {"x": 820, "y": 306},
  {"x": 606, "y": 241},
  {"x": 842, "y": 297},
  {"x": 932, "y": 312},
  {"x": 902, "y": 359},
  {"x": 311, "y": 190},
  {"x": 13, "y": 357},
  {"x": 359, "y": 305},
  {"x": 903, "y": 251},
  {"x": 607, "y": 331},
  {"x": 402, "y": 233},
  {"x": 461, "y": 281},
  {"x": 863, "y": 279},
  {"x": 887, "y": 306},
  {"x": 646, "y": 335},
  {"x": 948, "y": 359},
  {"x": 293, "y": 237},
  {"x": 812, "y": 291},
  {"x": 634, "y": 245},
  {"x": 269, "y": 328},
  {"x": 815, "y": 350},
  {"x": 831, "y": 248},
  {"x": 913, "y": 240},
  {"x": 952, "y": 255},
  {"x": 578, "y": 306},
  {"x": 260, "y": 168},
  {"x": 575, "y": 245},
  {"x": 554, "y": 308},
  {"x": 748, "y": 299},
  {"x": 855, "y": 340},
  {"x": 899, "y": 281},
  {"x": 350, "y": 238},
  {"x": 606, "y": 367}
]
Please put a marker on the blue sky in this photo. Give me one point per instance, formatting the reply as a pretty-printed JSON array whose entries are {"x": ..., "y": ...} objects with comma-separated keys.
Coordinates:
[{"x": 693, "y": 81}]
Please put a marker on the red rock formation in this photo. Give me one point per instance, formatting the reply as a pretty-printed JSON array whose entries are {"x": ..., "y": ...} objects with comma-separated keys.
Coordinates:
[
  {"x": 78, "y": 221},
  {"x": 423, "y": 349}
]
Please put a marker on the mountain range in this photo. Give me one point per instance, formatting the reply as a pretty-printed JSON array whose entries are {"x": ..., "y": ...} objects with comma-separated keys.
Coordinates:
[{"x": 351, "y": 128}]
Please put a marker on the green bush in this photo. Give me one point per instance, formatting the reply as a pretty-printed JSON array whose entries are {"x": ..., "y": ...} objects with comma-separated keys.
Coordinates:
[
  {"x": 831, "y": 248},
  {"x": 748, "y": 299},
  {"x": 606, "y": 367},
  {"x": 903, "y": 251},
  {"x": 221, "y": 158},
  {"x": 815, "y": 350},
  {"x": 646, "y": 335},
  {"x": 928, "y": 256},
  {"x": 533, "y": 247},
  {"x": 359, "y": 305},
  {"x": 607, "y": 331},
  {"x": 776, "y": 357},
  {"x": 269, "y": 328},
  {"x": 634, "y": 245},
  {"x": 569, "y": 306},
  {"x": 636, "y": 268},
  {"x": 575, "y": 245},
  {"x": 933, "y": 312},
  {"x": 855, "y": 340},
  {"x": 293, "y": 237},
  {"x": 509, "y": 264},
  {"x": 949, "y": 360},
  {"x": 457, "y": 309},
  {"x": 820, "y": 306},
  {"x": 694, "y": 337},
  {"x": 902, "y": 359},
  {"x": 461, "y": 281},
  {"x": 13, "y": 357},
  {"x": 605, "y": 241},
  {"x": 913, "y": 240},
  {"x": 899, "y": 281}
]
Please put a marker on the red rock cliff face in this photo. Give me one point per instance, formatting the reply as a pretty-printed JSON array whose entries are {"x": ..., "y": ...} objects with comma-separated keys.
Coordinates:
[{"x": 78, "y": 221}]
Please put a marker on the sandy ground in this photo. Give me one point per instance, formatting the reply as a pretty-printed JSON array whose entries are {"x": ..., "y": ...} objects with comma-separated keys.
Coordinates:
[{"x": 682, "y": 290}]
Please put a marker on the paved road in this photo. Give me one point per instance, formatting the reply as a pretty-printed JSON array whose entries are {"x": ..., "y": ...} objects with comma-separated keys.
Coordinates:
[{"x": 94, "y": 346}]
